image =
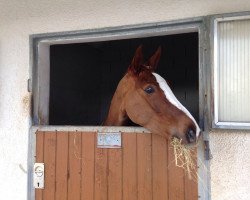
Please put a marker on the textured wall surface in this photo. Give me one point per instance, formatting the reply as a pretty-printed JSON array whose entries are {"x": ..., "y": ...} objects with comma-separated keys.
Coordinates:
[
  {"x": 19, "y": 19},
  {"x": 230, "y": 166}
]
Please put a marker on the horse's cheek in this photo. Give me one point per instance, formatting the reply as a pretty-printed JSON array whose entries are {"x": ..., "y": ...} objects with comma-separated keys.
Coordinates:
[{"x": 137, "y": 110}]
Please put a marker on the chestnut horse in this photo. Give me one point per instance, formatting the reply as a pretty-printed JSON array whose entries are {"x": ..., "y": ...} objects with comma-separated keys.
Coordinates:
[{"x": 145, "y": 98}]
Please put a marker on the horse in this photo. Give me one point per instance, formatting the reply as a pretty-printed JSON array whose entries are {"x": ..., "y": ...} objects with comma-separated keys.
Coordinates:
[{"x": 145, "y": 98}]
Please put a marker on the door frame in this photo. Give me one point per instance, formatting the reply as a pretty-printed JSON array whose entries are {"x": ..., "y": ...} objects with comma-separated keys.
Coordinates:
[{"x": 39, "y": 76}]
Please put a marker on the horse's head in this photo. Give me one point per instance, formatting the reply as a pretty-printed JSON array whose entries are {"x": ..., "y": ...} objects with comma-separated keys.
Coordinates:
[{"x": 145, "y": 97}]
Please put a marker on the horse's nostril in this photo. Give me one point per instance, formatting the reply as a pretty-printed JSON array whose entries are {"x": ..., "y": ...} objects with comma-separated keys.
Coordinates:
[{"x": 191, "y": 136}]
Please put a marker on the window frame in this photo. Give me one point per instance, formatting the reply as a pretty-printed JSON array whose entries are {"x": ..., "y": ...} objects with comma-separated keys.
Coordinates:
[
  {"x": 216, "y": 124},
  {"x": 40, "y": 44}
]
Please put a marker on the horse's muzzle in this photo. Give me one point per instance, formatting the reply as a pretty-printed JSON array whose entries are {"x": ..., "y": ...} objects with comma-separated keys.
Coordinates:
[{"x": 191, "y": 136}]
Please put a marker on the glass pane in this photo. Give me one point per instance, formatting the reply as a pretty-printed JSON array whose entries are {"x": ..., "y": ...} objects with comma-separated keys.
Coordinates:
[{"x": 233, "y": 71}]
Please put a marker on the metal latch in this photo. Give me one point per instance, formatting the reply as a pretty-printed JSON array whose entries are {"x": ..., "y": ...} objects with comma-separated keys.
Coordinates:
[
  {"x": 109, "y": 140},
  {"x": 207, "y": 150},
  {"x": 38, "y": 180}
]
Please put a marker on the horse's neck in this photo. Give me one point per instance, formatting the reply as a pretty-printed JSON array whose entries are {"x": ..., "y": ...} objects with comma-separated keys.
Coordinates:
[{"x": 117, "y": 115}]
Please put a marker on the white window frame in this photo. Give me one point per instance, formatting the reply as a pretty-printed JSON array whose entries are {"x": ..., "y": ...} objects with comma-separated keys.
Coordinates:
[{"x": 216, "y": 123}]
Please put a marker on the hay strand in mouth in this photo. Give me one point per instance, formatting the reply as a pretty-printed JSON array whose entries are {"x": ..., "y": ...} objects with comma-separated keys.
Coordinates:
[{"x": 184, "y": 157}]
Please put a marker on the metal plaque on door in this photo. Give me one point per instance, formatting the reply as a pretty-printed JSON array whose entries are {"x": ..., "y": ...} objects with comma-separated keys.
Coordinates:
[{"x": 109, "y": 140}]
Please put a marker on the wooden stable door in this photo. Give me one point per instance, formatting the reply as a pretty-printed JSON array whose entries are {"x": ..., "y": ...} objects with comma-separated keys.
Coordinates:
[{"x": 143, "y": 169}]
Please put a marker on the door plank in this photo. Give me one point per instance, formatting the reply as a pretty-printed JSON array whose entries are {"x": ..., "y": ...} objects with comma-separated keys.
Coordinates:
[
  {"x": 88, "y": 166},
  {"x": 62, "y": 165},
  {"x": 101, "y": 181},
  {"x": 144, "y": 164},
  {"x": 129, "y": 166},
  {"x": 191, "y": 185},
  {"x": 176, "y": 178},
  {"x": 115, "y": 174},
  {"x": 160, "y": 168},
  {"x": 74, "y": 167},
  {"x": 50, "y": 165}
]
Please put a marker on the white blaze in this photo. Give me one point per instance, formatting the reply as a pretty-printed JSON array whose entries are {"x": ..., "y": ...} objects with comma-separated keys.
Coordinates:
[{"x": 172, "y": 99}]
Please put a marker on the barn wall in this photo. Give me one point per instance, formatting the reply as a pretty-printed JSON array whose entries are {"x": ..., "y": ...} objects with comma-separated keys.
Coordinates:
[
  {"x": 19, "y": 19},
  {"x": 230, "y": 165}
]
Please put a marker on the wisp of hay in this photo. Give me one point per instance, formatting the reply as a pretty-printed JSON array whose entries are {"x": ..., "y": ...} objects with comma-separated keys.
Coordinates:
[{"x": 183, "y": 157}]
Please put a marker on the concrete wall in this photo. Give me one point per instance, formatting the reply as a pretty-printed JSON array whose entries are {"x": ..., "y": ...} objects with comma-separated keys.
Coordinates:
[{"x": 19, "y": 19}]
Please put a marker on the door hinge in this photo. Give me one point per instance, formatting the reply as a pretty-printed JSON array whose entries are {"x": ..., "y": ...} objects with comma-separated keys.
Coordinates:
[
  {"x": 29, "y": 85},
  {"x": 207, "y": 151}
]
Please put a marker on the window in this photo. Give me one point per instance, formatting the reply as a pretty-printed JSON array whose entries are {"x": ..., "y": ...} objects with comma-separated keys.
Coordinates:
[
  {"x": 84, "y": 76},
  {"x": 75, "y": 76},
  {"x": 232, "y": 72}
]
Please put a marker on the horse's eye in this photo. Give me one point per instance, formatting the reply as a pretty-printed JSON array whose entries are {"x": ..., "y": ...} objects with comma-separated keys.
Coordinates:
[{"x": 149, "y": 90}]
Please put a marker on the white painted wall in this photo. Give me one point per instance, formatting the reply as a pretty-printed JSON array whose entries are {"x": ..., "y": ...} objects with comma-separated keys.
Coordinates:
[
  {"x": 18, "y": 19},
  {"x": 230, "y": 166}
]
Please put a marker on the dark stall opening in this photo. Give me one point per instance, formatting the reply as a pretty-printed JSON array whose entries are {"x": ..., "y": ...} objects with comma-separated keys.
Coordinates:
[{"x": 83, "y": 77}]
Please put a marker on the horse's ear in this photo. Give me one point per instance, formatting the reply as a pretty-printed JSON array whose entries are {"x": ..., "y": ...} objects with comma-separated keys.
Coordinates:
[
  {"x": 136, "y": 64},
  {"x": 154, "y": 60}
]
